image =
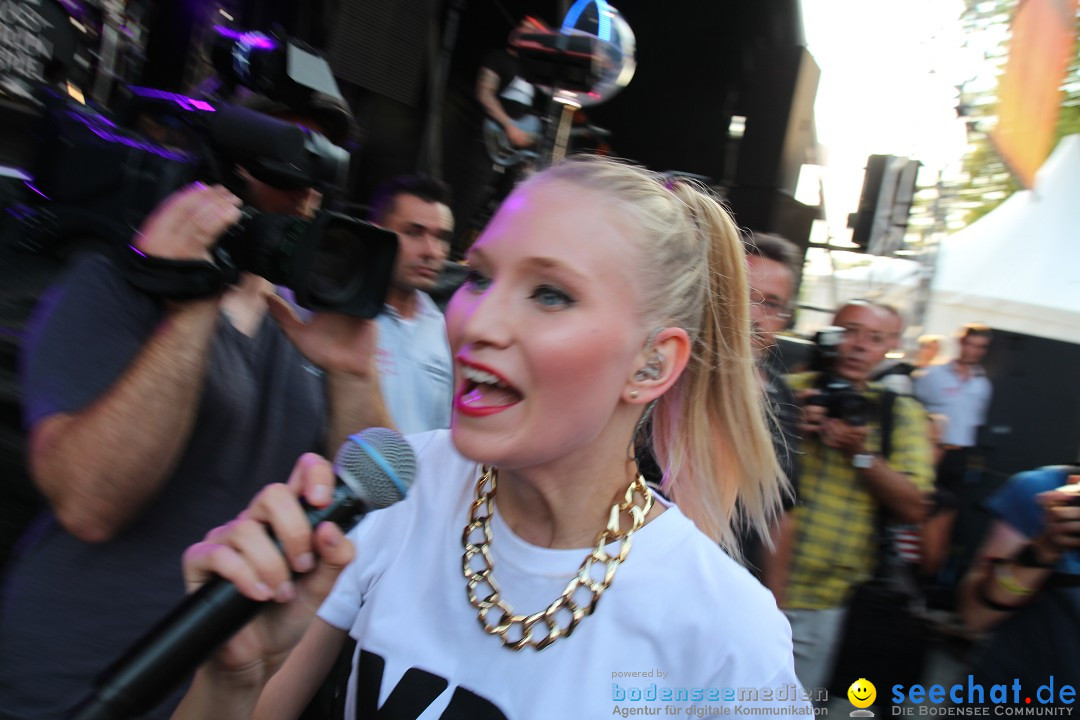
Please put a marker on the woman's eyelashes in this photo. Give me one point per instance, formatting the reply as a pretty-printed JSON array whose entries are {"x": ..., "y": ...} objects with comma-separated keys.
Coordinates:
[
  {"x": 545, "y": 295},
  {"x": 551, "y": 297},
  {"x": 476, "y": 281}
]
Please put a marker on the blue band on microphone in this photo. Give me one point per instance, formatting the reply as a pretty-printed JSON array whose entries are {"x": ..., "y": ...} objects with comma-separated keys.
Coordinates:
[{"x": 377, "y": 456}]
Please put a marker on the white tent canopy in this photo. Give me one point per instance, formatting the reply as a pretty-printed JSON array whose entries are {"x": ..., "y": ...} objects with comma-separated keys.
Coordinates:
[{"x": 1018, "y": 267}]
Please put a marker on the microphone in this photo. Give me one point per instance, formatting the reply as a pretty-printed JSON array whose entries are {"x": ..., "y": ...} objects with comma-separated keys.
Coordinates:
[{"x": 374, "y": 468}]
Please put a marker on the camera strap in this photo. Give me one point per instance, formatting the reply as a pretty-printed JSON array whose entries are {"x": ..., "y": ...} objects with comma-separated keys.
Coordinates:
[
  {"x": 179, "y": 279},
  {"x": 886, "y": 403}
]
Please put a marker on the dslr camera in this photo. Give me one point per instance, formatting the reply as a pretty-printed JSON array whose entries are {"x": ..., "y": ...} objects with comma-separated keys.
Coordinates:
[
  {"x": 838, "y": 396},
  {"x": 96, "y": 177}
]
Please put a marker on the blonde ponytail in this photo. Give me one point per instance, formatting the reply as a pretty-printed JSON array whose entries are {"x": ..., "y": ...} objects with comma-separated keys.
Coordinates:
[{"x": 710, "y": 434}]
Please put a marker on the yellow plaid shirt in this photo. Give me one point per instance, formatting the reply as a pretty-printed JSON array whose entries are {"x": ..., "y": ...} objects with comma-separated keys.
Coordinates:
[{"x": 836, "y": 516}]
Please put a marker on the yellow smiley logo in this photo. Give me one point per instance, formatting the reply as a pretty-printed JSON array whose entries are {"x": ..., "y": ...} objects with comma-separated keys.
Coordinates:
[{"x": 862, "y": 693}]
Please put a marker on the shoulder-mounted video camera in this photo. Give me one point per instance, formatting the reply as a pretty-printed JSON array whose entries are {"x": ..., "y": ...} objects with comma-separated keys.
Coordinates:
[{"x": 99, "y": 176}]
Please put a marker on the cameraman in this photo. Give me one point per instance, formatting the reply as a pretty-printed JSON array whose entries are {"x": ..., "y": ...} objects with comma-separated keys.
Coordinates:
[
  {"x": 150, "y": 419},
  {"x": 845, "y": 482}
]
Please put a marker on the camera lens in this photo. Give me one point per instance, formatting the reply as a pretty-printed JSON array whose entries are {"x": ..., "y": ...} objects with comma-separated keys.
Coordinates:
[
  {"x": 266, "y": 244},
  {"x": 851, "y": 407},
  {"x": 338, "y": 267}
]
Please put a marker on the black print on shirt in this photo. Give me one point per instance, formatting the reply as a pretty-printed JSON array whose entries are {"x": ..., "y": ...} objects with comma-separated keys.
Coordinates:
[{"x": 415, "y": 692}]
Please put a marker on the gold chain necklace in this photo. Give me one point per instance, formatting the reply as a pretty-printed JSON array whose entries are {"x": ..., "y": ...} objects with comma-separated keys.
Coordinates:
[{"x": 637, "y": 501}]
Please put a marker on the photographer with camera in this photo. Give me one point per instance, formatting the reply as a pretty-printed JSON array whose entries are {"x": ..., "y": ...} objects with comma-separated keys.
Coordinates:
[
  {"x": 1024, "y": 589},
  {"x": 151, "y": 418},
  {"x": 851, "y": 471}
]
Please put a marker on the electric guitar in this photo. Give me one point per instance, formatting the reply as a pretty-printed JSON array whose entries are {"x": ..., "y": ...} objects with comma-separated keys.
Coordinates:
[{"x": 502, "y": 151}]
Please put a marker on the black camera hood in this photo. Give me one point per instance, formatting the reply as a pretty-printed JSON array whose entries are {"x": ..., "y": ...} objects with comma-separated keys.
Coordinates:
[{"x": 277, "y": 152}]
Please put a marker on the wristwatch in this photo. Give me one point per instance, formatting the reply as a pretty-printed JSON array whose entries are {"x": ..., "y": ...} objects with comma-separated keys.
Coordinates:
[{"x": 862, "y": 461}]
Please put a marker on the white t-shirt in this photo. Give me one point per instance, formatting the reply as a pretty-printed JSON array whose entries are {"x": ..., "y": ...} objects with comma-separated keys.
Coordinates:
[
  {"x": 416, "y": 373},
  {"x": 519, "y": 90},
  {"x": 691, "y": 624}
]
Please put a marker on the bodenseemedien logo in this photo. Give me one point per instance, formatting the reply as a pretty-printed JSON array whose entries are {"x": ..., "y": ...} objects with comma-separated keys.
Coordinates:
[{"x": 781, "y": 701}]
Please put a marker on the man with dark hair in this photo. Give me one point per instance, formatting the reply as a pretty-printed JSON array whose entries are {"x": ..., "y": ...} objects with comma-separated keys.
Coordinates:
[
  {"x": 961, "y": 391},
  {"x": 772, "y": 266},
  {"x": 151, "y": 419},
  {"x": 426, "y": 188},
  {"x": 773, "y": 247},
  {"x": 415, "y": 367}
]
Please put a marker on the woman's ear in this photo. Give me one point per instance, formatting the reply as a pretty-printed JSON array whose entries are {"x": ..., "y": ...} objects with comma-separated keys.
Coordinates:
[{"x": 658, "y": 366}]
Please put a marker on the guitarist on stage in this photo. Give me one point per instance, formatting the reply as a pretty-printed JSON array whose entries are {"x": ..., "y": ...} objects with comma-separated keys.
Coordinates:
[
  {"x": 511, "y": 132},
  {"x": 507, "y": 98}
]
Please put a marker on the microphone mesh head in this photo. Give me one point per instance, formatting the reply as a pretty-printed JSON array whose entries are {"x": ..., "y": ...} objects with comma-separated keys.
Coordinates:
[{"x": 378, "y": 465}]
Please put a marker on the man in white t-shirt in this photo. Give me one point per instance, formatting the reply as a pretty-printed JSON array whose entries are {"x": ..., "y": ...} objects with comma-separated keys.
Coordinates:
[{"x": 413, "y": 355}]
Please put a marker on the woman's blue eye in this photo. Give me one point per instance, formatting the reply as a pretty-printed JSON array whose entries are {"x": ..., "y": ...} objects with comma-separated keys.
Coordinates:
[
  {"x": 475, "y": 281},
  {"x": 551, "y": 297}
]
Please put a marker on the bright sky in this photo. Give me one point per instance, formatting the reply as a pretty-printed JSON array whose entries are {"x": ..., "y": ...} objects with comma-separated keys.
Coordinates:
[{"x": 888, "y": 74}]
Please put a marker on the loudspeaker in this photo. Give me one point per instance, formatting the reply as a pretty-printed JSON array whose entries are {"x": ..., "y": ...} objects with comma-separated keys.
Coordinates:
[{"x": 884, "y": 204}]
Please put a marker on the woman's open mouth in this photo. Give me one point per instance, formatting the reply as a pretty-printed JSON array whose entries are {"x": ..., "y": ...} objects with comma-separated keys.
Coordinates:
[{"x": 483, "y": 392}]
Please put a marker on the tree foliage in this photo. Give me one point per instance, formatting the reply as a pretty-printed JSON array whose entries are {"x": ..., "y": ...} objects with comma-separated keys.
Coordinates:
[
  {"x": 1069, "y": 117},
  {"x": 986, "y": 181}
]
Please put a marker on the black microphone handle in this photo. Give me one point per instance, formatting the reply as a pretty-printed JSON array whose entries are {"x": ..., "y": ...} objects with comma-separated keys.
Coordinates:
[{"x": 183, "y": 640}]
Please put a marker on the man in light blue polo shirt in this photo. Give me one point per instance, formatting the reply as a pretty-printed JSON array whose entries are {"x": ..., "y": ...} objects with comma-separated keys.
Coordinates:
[
  {"x": 961, "y": 391},
  {"x": 413, "y": 354}
]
